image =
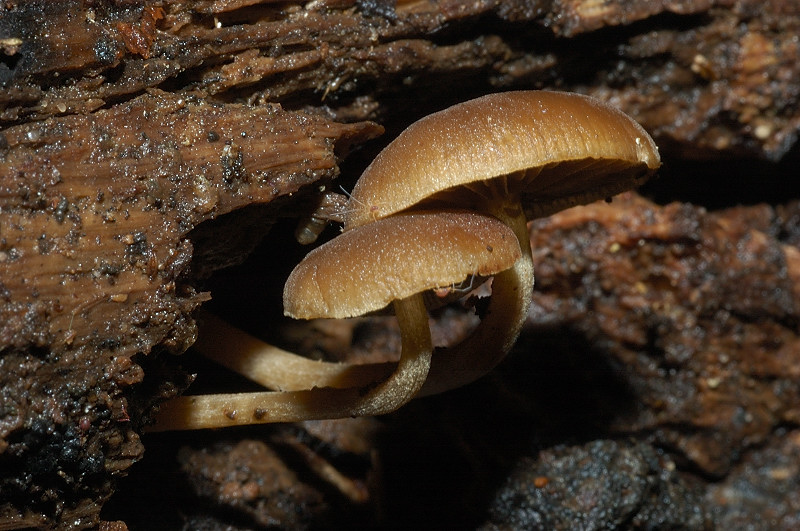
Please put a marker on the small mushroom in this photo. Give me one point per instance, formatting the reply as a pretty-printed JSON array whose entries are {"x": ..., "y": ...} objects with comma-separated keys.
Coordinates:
[
  {"x": 515, "y": 156},
  {"x": 395, "y": 261}
]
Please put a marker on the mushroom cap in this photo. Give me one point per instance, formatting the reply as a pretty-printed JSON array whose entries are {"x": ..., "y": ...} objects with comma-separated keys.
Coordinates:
[
  {"x": 365, "y": 269},
  {"x": 557, "y": 149}
]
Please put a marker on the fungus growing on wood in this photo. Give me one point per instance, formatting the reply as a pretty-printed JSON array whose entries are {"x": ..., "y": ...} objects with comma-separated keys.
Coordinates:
[
  {"x": 510, "y": 156},
  {"x": 513, "y": 155},
  {"x": 392, "y": 261}
]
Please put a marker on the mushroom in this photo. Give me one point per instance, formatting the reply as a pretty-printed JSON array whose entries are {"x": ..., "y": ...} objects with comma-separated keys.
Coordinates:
[
  {"x": 395, "y": 261},
  {"x": 513, "y": 155}
]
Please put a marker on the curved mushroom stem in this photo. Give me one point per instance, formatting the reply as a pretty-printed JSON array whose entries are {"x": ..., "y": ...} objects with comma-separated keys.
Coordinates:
[
  {"x": 275, "y": 368},
  {"x": 415, "y": 359},
  {"x": 222, "y": 410},
  {"x": 498, "y": 330}
]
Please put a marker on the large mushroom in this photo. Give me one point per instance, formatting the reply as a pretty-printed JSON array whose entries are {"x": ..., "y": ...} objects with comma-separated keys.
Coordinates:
[
  {"x": 515, "y": 156},
  {"x": 395, "y": 261}
]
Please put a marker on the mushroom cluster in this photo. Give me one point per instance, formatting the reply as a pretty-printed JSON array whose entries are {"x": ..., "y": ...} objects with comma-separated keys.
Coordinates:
[
  {"x": 394, "y": 260},
  {"x": 447, "y": 200}
]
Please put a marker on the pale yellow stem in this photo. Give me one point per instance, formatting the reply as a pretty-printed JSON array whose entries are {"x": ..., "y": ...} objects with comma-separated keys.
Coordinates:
[
  {"x": 500, "y": 327},
  {"x": 275, "y": 368},
  {"x": 222, "y": 410}
]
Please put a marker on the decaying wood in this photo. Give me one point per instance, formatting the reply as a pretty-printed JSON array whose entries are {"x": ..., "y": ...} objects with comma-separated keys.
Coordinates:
[
  {"x": 656, "y": 496},
  {"x": 708, "y": 75},
  {"x": 126, "y": 124},
  {"x": 107, "y": 198},
  {"x": 702, "y": 303},
  {"x": 95, "y": 215}
]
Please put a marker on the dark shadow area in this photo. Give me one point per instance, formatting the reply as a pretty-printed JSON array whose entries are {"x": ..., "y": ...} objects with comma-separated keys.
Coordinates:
[
  {"x": 444, "y": 457},
  {"x": 717, "y": 184}
]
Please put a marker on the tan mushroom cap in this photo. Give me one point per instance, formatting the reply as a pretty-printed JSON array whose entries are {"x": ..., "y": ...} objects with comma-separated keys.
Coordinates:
[
  {"x": 365, "y": 269},
  {"x": 566, "y": 149}
]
